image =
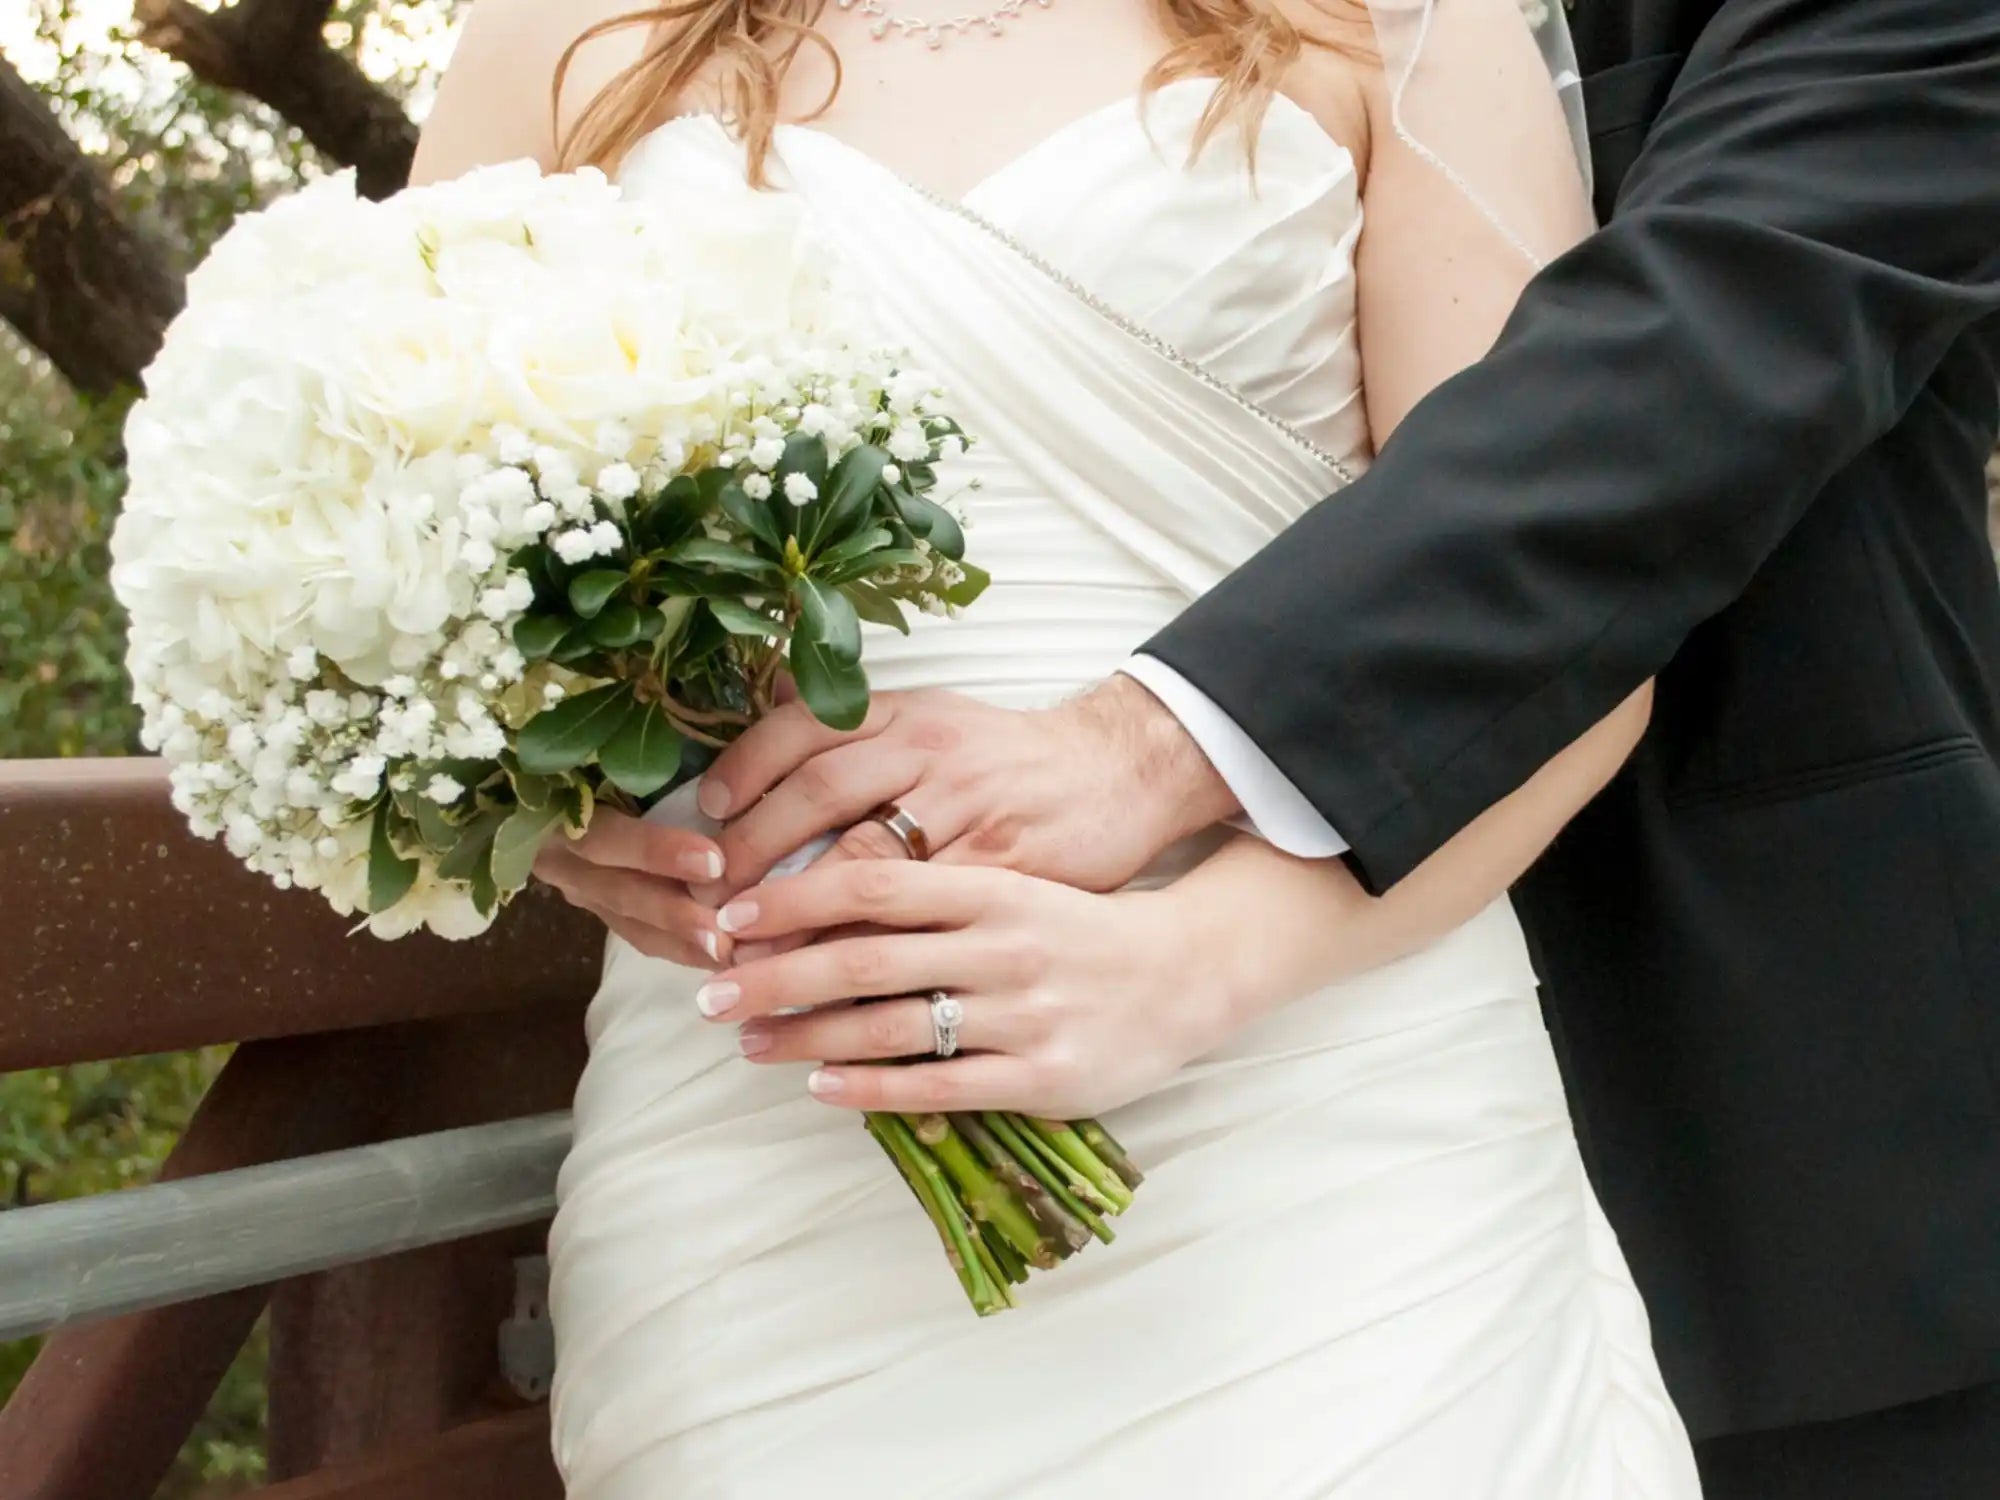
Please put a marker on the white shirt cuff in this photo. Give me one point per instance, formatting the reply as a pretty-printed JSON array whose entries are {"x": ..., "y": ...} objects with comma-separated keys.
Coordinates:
[{"x": 1273, "y": 809}]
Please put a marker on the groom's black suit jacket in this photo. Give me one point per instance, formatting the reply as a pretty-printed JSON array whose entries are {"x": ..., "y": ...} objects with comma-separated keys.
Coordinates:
[{"x": 1734, "y": 440}]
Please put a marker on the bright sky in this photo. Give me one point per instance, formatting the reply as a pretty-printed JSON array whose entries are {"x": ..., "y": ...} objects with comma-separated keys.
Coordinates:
[
  {"x": 33, "y": 56},
  {"x": 415, "y": 34}
]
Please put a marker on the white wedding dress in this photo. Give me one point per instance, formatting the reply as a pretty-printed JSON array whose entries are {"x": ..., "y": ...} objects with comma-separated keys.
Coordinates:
[{"x": 1365, "y": 1263}]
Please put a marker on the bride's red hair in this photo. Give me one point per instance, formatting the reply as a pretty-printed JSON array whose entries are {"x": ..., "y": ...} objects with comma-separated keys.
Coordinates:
[{"x": 742, "y": 48}]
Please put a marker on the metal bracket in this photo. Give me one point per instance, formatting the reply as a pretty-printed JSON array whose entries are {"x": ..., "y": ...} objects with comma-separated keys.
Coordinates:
[{"x": 528, "y": 1338}]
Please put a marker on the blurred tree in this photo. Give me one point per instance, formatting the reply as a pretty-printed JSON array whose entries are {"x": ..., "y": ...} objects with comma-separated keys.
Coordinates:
[
  {"x": 83, "y": 276},
  {"x": 79, "y": 279},
  {"x": 276, "y": 51}
]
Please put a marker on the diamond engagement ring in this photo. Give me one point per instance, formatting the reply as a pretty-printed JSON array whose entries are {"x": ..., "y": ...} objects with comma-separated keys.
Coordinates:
[
  {"x": 946, "y": 1013},
  {"x": 908, "y": 831}
]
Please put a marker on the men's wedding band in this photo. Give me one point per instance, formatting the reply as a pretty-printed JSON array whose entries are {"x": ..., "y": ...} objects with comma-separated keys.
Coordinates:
[
  {"x": 909, "y": 832},
  {"x": 946, "y": 1013}
]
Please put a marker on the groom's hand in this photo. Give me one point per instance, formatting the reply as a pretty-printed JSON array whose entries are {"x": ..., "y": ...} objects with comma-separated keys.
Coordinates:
[{"x": 1086, "y": 793}]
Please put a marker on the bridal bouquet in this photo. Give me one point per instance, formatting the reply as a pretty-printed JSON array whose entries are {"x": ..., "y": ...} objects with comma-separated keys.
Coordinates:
[{"x": 455, "y": 515}]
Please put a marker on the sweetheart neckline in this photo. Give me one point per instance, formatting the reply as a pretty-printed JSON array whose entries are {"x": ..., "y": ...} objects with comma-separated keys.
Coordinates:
[{"x": 1281, "y": 105}]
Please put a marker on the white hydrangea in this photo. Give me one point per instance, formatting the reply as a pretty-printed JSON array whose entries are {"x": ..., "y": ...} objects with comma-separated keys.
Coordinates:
[{"x": 364, "y": 415}]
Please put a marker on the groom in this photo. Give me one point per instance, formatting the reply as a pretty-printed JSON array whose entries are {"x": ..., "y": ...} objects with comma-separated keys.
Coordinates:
[{"x": 1735, "y": 440}]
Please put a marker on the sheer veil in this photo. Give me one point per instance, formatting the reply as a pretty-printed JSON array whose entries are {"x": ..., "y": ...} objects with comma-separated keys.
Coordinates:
[{"x": 1463, "y": 78}]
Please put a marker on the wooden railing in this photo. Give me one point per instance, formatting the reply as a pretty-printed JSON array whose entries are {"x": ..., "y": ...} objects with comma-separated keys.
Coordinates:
[{"x": 124, "y": 935}]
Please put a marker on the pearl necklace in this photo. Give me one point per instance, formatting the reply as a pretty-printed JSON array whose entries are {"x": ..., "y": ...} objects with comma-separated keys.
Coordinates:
[{"x": 881, "y": 21}]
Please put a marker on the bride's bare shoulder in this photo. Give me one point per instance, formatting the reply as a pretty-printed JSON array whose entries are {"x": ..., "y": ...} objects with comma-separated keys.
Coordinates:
[
  {"x": 495, "y": 103},
  {"x": 1336, "y": 70}
]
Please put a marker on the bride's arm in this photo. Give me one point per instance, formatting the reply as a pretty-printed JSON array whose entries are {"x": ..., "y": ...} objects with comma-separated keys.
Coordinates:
[
  {"x": 495, "y": 103},
  {"x": 1436, "y": 281}
]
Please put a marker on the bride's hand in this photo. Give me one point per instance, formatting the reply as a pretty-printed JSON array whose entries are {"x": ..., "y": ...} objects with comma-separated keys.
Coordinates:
[
  {"x": 1074, "y": 1003},
  {"x": 634, "y": 876}
]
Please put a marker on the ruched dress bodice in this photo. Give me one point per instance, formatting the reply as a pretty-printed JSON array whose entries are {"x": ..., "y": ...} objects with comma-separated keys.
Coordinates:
[{"x": 1250, "y": 279}]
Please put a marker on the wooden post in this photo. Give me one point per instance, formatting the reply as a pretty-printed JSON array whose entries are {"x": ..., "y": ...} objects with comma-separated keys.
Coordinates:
[
  {"x": 105, "y": 1407},
  {"x": 388, "y": 1353},
  {"x": 383, "y": 1355}
]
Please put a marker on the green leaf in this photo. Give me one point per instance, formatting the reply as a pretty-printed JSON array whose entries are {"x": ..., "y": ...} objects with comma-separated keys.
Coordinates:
[
  {"x": 565, "y": 736},
  {"x": 875, "y": 539},
  {"x": 876, "y": 562},
  {"x": 469, "y": 855},
  {"x": 619, "y": 625},
  {"x": 804, "y": 454},
  {"x": 671, "y": 515},
  {"x": 590, "y": 592},
  {"x": 845, "y": 496},
  {"x": 535, "y": 791},
  {"x": 705, "y": 552},
  {"x": 876, "y": 607},
  {"x": 467, "y": 773},
  {"x": 946, "y": 536},
  {"x": 740, "y": 619},
  {"x": 535, "y": 561},
  {"x": 576, "y": 802},
  {"x": 644, "y": 754},
  {"x": 575, "y": 646},
  {"x": 705, "y": 637},
  {"x": 516, "y": 842},
  {"x": 754, "y": 516},
  {"x": 828, "y": 619},
  {"x": 968, "y": 588},
  {"x": 536, "y": 636},
  {"x": 836, "y": 691},
  {"x": 485, "y": 895},
  {"x": 390, "y": 875},
  {"x": 675, "y": 615},
  {"x": 434, "y": 826},
  {"x": 933, "y": 523}
]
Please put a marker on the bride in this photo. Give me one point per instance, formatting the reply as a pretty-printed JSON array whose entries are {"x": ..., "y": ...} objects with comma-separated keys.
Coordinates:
[{"x": 1184, "y": 264}]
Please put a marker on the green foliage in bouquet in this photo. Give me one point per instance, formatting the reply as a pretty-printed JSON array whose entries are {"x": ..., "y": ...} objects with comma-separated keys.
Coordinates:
[{"x": 684, "y": 630}]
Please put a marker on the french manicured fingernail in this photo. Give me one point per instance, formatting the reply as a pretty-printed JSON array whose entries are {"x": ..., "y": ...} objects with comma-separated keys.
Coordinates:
[
  {"x": 715, "y": 998},
  {"x": 754, "y": 1042},
  {"x": 713, "y": 799},
  {"x": 825, "y": 1085},
  {"x": 706, "y": 865},
  {"x": 736, "y": 916},
  {"x": 712, "y": 946}
]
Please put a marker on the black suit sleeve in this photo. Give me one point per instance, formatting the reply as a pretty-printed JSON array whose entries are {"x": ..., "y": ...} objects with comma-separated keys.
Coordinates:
[{"x": 1813, "y": 221}]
